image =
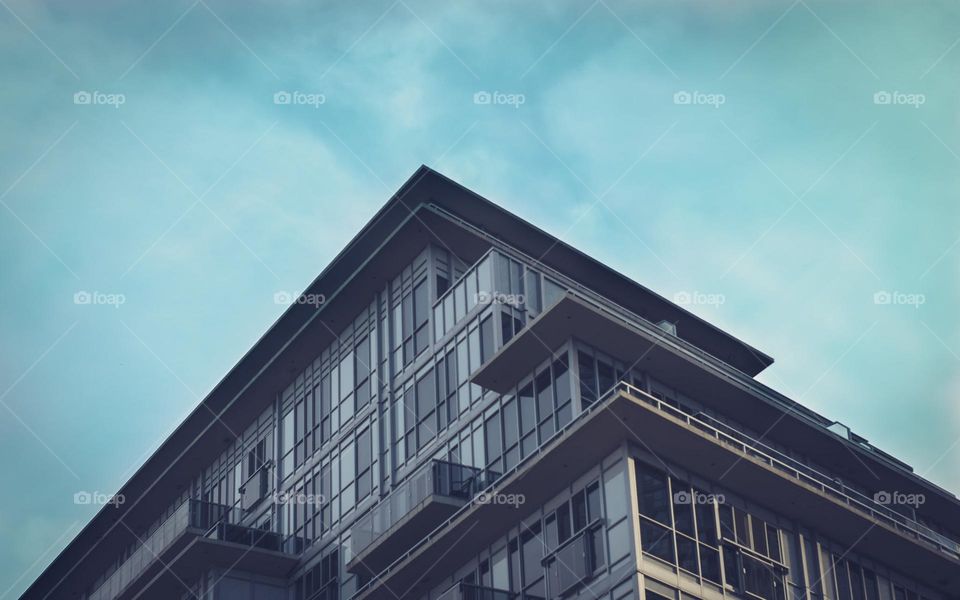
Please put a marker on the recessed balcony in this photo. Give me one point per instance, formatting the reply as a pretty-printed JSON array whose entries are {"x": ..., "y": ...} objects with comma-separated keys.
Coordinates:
[
  {"x": 196, "y": 537},
  {"x": 627, "y": 414},
  {"x": 418, "y": 505},
  {"x": 470, "y": 591}
]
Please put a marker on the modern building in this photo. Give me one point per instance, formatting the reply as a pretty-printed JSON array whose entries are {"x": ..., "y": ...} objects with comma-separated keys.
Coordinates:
[{"x": 463, "y": 407}]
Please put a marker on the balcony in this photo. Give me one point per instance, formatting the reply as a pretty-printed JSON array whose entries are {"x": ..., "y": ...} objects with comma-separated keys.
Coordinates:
[
  {"x": 197, "y": 536},
  {"x": 470, "y": 591},
  {"x": 575, "y": 560},
  {"x": 413, "y": 509},
  {"x": 627, "y": 414}
]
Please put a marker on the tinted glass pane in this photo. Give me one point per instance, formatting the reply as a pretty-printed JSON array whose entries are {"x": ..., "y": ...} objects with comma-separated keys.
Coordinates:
[
  {"x": 532, "y": 291},
  {"x": 683, "y": 507},
  {"x": 588, "y": 379},
  {"x": 528, "y": 409},
  {"x": 486, "y": 339},
  {"x": 656, "y": 540},
  {"x": 363, "y": 359},
  {"x": 544, "y": 393},
  {"x": 474, "y": 340},
  {"x": 652, "y": 494},
  {"x": 710, "y": 563},
  {"x": 426, "y": 395},
  {"x": 593, "y": 501},
  {"x": 364, "y": 451},
  {"x": 579, "y": 505},
  {"x": 843, "y": 582},
  {"x": 687, "y": 553},
  {"x": 563, "y": 522},
  {"x": 492, "y": 434},
  {"x": 773, "y": 542},
  {"x": 604, "y": 376},
  {"x": 561, "y": 380},
  {"x": 706, "y": 523},
  {"x": 511, "y": 423},
  {"x": 856, "y": 581}
]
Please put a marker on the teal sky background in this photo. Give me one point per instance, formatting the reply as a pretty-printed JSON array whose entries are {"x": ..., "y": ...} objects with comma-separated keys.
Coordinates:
[{"x": 795, "y": 201}]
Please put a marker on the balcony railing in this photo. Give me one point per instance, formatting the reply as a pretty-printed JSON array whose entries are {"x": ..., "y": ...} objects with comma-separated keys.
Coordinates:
[
  {"x": 742, "y": 442},
  {"x": 797, "y": 470},
  {"x": 470, "y": 591},
  {"x": 438, "y": 478},
  {"x": 215, "y": 521}
]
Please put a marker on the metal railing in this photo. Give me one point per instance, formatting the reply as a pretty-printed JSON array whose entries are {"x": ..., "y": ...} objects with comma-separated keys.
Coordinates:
[
  {"x": 216, "y": 521},
  {"x": 795, "y": 469},
  {"x": 723, "y": 369},
  {"x": 472, "y": 591},
  {"x": 436, "y": 477},
  {"x": 799, "y": 471}
]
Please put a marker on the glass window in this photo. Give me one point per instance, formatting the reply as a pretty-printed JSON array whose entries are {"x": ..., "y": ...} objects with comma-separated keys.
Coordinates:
[
  {"x": 686, "y": 554},
  {"x": 579, "y": 506},
  {"x": 605, "y": 377},
  {"x": 528, "y": 409},
  {"x": 363, "y": 359},
  {"x": 710, "y": 563},
  {"x": 492, "y": 434},
  {"x": 532, "y": 551},
  {"x": 472, "y": 294},
  {"x": 532, "y": 288},
  {"x": 561, "y": 380},
  {"x": 656, "y": 540},
  {"x": 486, "y": 339},
  {"x": 843, "y": 582},
  {"x": 564, "y": 530},
  {"x": 551, "y": 292},
  {"x": 652, "y": 494},
  {"x": 544, "y": 393},
  {"x": 593, "y": 501},
  {"x": 511, "y": 423},
  {"x": 421, "y": 304},
  {"x": 588, "y": 379},
  {"x": 682, "y": 507},
  {"x": 426, "y": 395},
  {"x": 288, "y": 435},
  {"x": 474, "y": 341},
  {"x": 706, "y": 522}
]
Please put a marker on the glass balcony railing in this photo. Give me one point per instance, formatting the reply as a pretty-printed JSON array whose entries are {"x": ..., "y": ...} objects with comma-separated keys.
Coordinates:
[
  {"x": 830, "y": 486},
  {"x": 215, "y": 521},
  {"x": 438, "y": 478},
  {"x": 470, "y": 591}
]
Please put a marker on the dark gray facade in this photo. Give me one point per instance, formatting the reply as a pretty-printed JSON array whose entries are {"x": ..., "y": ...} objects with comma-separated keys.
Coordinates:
[{"x": 463, "y": 407}]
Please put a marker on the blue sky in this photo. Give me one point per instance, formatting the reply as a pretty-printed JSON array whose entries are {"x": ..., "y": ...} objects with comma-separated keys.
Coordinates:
[{"x": 780, "y": 162}]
